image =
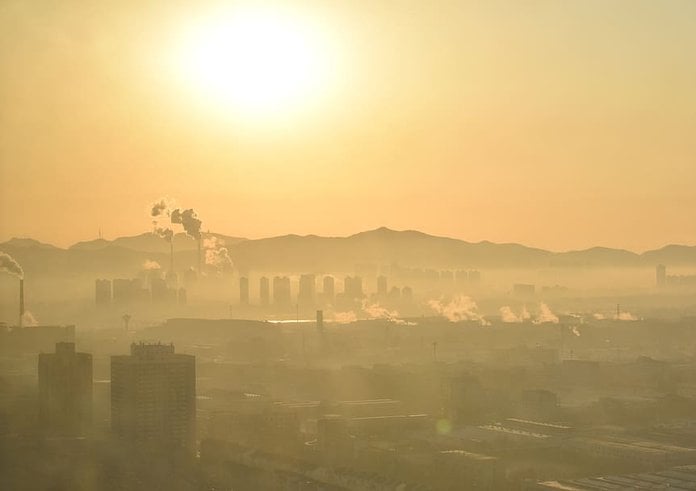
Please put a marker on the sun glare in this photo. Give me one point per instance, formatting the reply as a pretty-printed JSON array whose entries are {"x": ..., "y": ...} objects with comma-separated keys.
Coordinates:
[{"x": 257, "y": 62}]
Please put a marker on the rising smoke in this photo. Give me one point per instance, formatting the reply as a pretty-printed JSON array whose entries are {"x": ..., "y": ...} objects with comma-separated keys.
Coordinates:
[
  {"x": 459, "y": 308},
  {"x": 28, "y": 319},
  {"x": 545, "y": 315},
  {"x": 9, "y": 265},
  {"x": 376, "y": 311},
  {"x": 150, "y": 265},
  {"x": 160, "y": 212},
  {"x": 216, "y": 254},
  {"x": 189, "y": 220},
  {"x": 508, "y": 315},
  {"x": 344, "y": 317}
]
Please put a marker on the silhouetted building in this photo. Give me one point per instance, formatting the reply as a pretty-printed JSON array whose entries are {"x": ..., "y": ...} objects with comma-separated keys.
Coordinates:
[
  {"x": 102, "y": 292},
  {"x": 244, "y": 290},
  {"x": 462, "y": 278},
  {"x": 161, "y": 293},
  {"x": 474, "y": 277},
  {"x": 352, "y": 287},
  {"x": 281, "y": 291},
  {"x": 182, "y": 296},
  {"x": 129, "y": 290},
  {"x": 395, "y": 294},
  {"x": 153, "y": 396},
  {"x": 264, "y": 292},
  {"x": 382, "y": 286},
  {"x": 661, "y": 275},
  {"x": 306, "y": 296},
  {"x": 446, "y": 277},
  {"x": 407, "y": 294},
  {"x": 65, "y": 391},
  {"x": 328, "y": 291},
  {"x": 523, "y": 290}
]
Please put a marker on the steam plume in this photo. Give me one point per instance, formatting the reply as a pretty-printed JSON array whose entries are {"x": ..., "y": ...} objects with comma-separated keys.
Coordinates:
[
  {"x": 625, "y": 316},
  {"x": 149, "y": 265},
  {"x": 216, "y": 254},
  {"x": 9, "y": 265},
  {"x": 575, "y": 330},
  {"x": 376, "y": 311},
  {"x": 508, "y": 315},
  {"x": 28, "y": 319},
  {"x": 545, "y": 315},
  {"x": 459, "y": 308},
  {"x": 160, "y": 212},
  {"x": 189, "y": 220},
  {"x": 345, "y": 317}
]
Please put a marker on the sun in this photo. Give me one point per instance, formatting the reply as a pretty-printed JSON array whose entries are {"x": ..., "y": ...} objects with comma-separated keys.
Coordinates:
[{"x": 256, "y": 61}]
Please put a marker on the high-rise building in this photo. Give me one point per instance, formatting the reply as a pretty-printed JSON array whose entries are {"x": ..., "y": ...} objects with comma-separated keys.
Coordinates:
[
  {"x": 328, "y": 292},
  {"x": 474, "y": 277},
  {"x": 129, "y": 290},
  {"x": 352, "y": 287},
  {"x": 244, "y": 290},
  {"x": 281, "y": 291},
  {"x": 661, "y": 275},
  {"x": 153, "y": 396},
  {"x": 306, "y": 296},
  {"x": 102, "y": 292},
  {"x": 264, "y": 292},
  {"x": 461, "y": 277},
  {"x": 382, "y": 286},
  {"x": 407, "y": 294},
  {"x": 65, "y": 391}
]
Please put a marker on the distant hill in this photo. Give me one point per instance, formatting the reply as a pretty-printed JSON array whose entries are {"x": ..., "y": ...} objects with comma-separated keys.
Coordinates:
[
  {"x": 381, "y": 246},
  {"x": 409, "y": 248},
  {"x": 672, "y": 255},
  {"x": 150, "y": 242}
]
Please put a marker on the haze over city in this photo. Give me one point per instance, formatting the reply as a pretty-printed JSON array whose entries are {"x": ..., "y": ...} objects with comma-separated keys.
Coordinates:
[{"x": 361, "y": 246}]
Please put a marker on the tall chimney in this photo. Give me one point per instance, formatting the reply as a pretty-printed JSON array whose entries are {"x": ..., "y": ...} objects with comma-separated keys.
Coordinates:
[
  {"x": 320, "y": 320},
  {"x": 21, "y": 301},
  {"x": 199, "y": 256},
  {"x": 171, "y": 256}
]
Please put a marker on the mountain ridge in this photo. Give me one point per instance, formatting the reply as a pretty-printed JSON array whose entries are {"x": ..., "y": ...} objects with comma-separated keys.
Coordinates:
[{"x": 292, "y": 252}]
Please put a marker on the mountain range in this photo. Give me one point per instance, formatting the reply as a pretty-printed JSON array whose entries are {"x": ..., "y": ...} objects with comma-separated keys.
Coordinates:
[{"x": 407, "y": 248}]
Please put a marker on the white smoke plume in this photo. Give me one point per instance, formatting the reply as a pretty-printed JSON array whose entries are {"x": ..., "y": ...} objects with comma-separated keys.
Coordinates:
[
  {"x": 545, "y": 315},
  {"x": 508, "y": 315},
  {"x": 575, "y": 330},
  {"x": 189, "y": 220},
  {"x": 376, "y": 311},
  {"x": 28, "y": 319},
  {"x": 459, "y": 308},
  {"x": 344, "y": 317},
  {"x": 625, "y": 316},
  {"x": 216, "y": 254},
  {"x": 149, "y": 265},
  {"x": 10, "y": 266},
  {"x": 599, "y": 316}
]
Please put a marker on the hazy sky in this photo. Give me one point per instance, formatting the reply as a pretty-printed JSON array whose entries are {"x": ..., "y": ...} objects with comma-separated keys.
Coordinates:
[{"x": 559, "y": 124}]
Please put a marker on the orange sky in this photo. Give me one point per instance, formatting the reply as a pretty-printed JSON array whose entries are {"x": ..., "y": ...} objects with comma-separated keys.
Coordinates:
[{"x": 555, "y": 124}]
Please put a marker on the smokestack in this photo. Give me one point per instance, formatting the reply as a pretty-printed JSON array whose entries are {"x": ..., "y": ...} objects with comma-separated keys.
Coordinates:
[
  {"x": 21, "y": 301},
  {"x": 171, "y": 256},
  {"x": 199, "y": 257},
  {"x": 320, "y": 320}
]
